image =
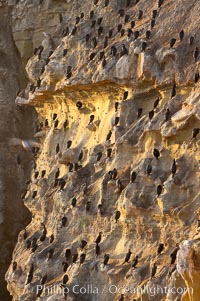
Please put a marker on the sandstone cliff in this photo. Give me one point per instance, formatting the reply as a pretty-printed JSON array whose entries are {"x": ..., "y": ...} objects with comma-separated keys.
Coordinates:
[{"x": 117, "y": 106}]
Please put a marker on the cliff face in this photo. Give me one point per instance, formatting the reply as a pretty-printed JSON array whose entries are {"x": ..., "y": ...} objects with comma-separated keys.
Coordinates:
[{"x": 105, "y": 105}]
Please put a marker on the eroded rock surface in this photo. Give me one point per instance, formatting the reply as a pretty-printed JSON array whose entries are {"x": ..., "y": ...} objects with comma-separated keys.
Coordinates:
[{"x": 141, "y": 99}]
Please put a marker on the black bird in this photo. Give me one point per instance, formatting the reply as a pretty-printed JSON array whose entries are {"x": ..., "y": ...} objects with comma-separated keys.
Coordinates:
[
  {"x": 116, "y": 120},
  {"x": 51, "y": 239},
  {"x": 195, "y": 132},
  {"x": 56, "y": 124},
  {"x": 100, "y": 209},
  {"x": 105, "y": 42},
  {"x": 110, "y": 33},
  {"x": 167, "y": 115},
  {"x": 148, "y": 34},
  {"x": 122, "y": 32},
  {"x": 139, "y": 112},
  {"x": 132, "y": 24},
  {"x": 92, "y": 55},
  {"x": 82, "y": 15},
  {"x": 60, "y": 18},
  {"x": 100, "y": 30},
  {"x": 63, "y": 221},
  {"x": 50, "y": 254},
  {"x": 44, "y": 279},
  {"x": 124, "y": 50},
  {"x": 95, "y": 2},
  {"x": 114, "y": 174},
  {"x": 174, "y": 254},
  {"x": 156, "y": 102},
  {"x": 88, "y": 206},
  {"x": 74, "y": 31},
  {"x": 74, "y": 257},
  {"x": 156, "y": 153},
  {"x": 69, "y": 143},
  {"x": 80, "y": 157},
  {"x": 116, "y": 106},
  {"x": 65, "y": 52},
  {"x": 36, "y": 174},
  {"x": 153, "y": 23},
  {"x": 46, "y": 123},
  {"x": 65, "y": 32},
  {"x": 109, "y": 152},
  {"x": 65, "y": 266},
  {"x": 101, "y": 55},
  {"x": 160, "y": 2},
  {"x": 119, "y": 185},
  {"x": 135, "y": 262},
  {"x": 174, "y": 168},
  {"x": 173, "y": 91},
  {"x": 191, "y": 40},
  {"x": 125, "y": 95},
  {"x": 136, "y": 34},
  {"x": 57, "y": 173},
  {"x": 93, "y": 23},
  {"x": 77, "y": 20},
  {"x": 119, "y": 27},
  {"x": 113, "y": 51},
  {"x": 196, "y": 78},
  {"x": 117, "y": 215},
  {"x": 99, "y": 21},
  {"x": 68, "y": 254},
  {"x": 91, "y": 14},
  {"x": 29, "y": 278},
  {"x": 94, "y": 41},
  {"x": 144, "y": 46},
  {"x": 140, "y": 13},
  {"x": 69, "y": 72},
  {"x": 62, "y": 183},
  {"x": 57, "y": 148},
  {"x": 65, "y": 124},
  {"x": 70, "y": 166},
  {"x": 181, "y": 35},
  {"x": 172, "y": 42},
  {"x": 154, "y": 269},
  {"x": 65, "y": 279},
  {"x": 79, "y": 105},
  {"x": 87, "y": 37},
  {"x": 108, "y": 135},
  {"x": 25, "y": 235},
  {"x": 106, "y": 259},
  {"x": 104, "y": 63},
  {"x": 151, "y": 114},
  {"x": 43, "y": 237},
  {"x": 160, "y": 248},
  {"x": 154, "y": 14},
  {"x": 28, "y": 244},
  {"x": 34, "y": 194},
  {"x": 121, "y": 12},
  {"x": 83, "y": 244},
  {"x": 149, "y": 169},
  {"x": 54, "y": 116},
  {"x": 82, "y": 258},
  {"x": 133, "y": 176},
  {"x": 14, "y": 266},
  {"x": 98, "y": 239},
  {"x": 99, "y": 155},
  {"x": 196, "y": 54},
  {"x": 106, "y": 2},
  {"x": 97, "y": 250},
  {"x": 129, "y": 32},
  {"x": 127, "y": 257},
  {"x": 159, "y": 189},
  {"x": 73, "y": 202},
  {"x": 126, "y": 18}
]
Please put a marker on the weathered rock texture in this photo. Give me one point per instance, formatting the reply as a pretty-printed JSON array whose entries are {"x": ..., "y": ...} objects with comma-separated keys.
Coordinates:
[{"x": 65, "y": 74}]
